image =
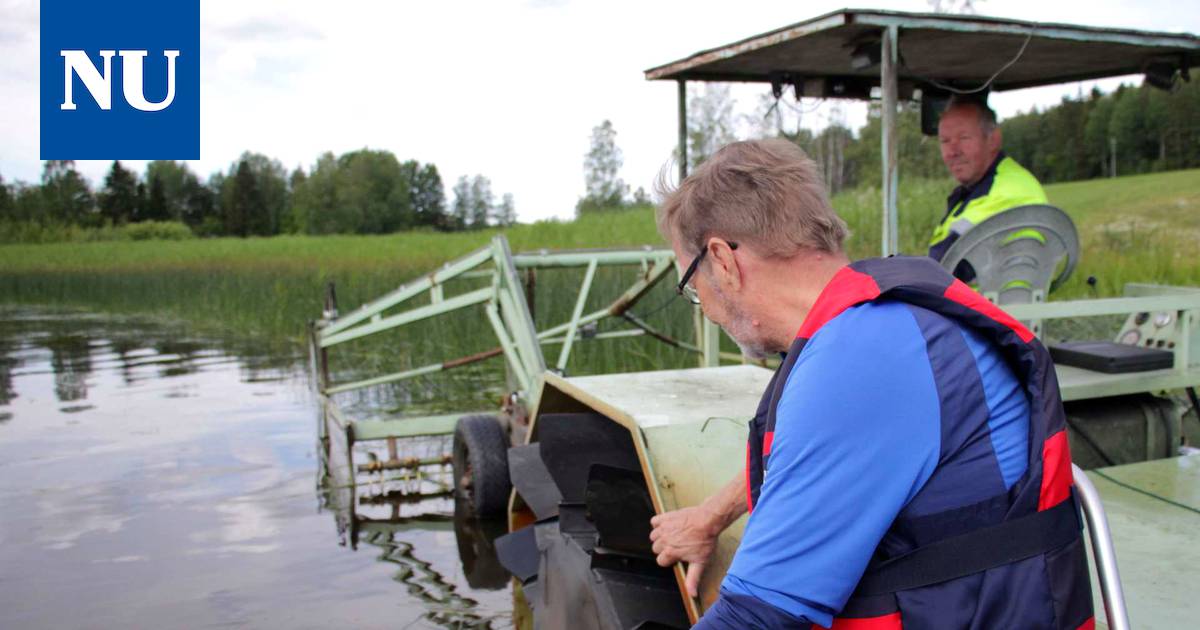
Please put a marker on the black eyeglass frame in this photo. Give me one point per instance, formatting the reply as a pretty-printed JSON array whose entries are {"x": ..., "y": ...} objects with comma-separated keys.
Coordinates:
[{"x": 682, "y": 288}]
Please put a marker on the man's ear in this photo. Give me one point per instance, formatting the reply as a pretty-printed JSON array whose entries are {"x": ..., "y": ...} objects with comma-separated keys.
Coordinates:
[
  {"x": 725, "y": 267},
  {"x": 995, "y": 140}
]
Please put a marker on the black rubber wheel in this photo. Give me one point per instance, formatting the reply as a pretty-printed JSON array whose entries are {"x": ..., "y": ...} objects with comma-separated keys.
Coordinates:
[
  {"x": 481, "y": 466},
  {"x": 477, "y": 550}
]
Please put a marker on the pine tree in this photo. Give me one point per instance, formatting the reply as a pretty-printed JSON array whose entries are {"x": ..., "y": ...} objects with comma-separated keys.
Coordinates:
[
  {"x": 66, "y": 194},
  {"x": 156, "y": 202},
  {"x": 118, "y": 199},
  {"x": 429, "y": 198},
  {"x": 6, "y": 201},
  {"x": 245, "y": 201}
]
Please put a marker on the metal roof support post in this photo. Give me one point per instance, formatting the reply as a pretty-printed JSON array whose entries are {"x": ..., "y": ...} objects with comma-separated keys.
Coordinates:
[
  {"x": 711, "y": 347},
  {"x": 683, "y": 156},
  {"x": 891, "y": 176}
]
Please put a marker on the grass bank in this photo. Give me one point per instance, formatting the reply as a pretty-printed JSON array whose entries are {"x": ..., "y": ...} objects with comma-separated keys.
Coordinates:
[{"x": 1140, "y": 228}]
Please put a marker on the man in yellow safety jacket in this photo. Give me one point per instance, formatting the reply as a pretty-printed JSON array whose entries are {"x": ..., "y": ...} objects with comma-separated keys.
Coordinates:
[{"x": 990, "y": 182}]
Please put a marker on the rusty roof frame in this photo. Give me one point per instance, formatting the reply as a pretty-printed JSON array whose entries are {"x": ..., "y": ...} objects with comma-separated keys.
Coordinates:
[
  {"x": 851, "y": 52},
  {"x": 1185, "y": 47}
]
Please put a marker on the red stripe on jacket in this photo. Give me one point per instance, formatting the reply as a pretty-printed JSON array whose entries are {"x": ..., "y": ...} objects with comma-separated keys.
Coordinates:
[
  {"x": 1056, "y": 471},
  {"x": 965, "y": 295},
  {"x": 847, "y": 288}
]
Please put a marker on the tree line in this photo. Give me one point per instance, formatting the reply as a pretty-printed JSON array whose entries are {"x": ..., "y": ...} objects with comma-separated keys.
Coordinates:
[
  {"x": 359, "y": 192},
  {"x": 1128, "y": 131}
]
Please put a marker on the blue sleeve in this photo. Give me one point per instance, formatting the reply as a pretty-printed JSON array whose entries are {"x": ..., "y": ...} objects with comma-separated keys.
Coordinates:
[
  {"x": 734, "y": 611},
  {"x": 857, "y": 435}
]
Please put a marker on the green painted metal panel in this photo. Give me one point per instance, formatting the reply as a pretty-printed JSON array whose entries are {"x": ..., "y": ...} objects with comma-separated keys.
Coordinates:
[
  {"x": 510, "y": 349},
  {"x": 514, "y": 310},
  {"x": 689, "y": 426},
  {"x": 412, "y": 289},
  {"x": 1153, "y": 511},
  {"x": 382, "y": 429},
  {"x": 669, "y": 397},
  {"x": 586, "y": 319},
  {"x": 390, "y": 378},
  {"x": 1079, "y": 384},
  {"x": 584, "y": 290},
  {"x": 1104, "y": 306},
  {"x": 711, "y": 344},
  {"x": 449, "y": 304},
  {"x": 548, "y": 259}
]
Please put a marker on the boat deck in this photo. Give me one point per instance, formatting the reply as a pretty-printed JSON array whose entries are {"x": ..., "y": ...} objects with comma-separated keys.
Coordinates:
[{"x": 1154, "y": 512}]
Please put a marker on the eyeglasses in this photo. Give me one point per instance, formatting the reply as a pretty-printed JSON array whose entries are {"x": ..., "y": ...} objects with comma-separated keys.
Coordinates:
[{"x": 687, "y": 290}]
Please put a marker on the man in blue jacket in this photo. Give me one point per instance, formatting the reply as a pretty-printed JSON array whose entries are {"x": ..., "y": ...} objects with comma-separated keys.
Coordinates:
[{"x": 909, "y": 416}]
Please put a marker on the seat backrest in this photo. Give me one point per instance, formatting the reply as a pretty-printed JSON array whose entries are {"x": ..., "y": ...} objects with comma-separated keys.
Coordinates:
[{"x": 1019, "y": 255}]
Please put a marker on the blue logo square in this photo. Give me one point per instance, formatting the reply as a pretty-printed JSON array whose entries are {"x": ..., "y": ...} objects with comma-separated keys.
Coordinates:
[{"x": 106, "y": 80}]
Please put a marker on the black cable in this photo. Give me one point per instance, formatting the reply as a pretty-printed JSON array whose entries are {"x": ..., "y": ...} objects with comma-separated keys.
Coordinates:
[
  {"x": 1100, "y": 473},
  {"x": 1091, "y": 442},
  {"x": 986, "y": 84},
  {"x": 654, "y": 311}
]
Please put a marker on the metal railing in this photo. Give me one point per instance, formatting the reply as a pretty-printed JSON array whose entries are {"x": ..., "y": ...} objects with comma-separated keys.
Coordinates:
[
  {"x": 505, "y": 307},
  {"x": 1102, "y": 551}
]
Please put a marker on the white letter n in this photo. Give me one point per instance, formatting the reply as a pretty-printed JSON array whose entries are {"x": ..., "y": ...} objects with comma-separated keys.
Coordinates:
[
  {"x": 100, "y": 85},
  {"x": 131, "y": 66}
]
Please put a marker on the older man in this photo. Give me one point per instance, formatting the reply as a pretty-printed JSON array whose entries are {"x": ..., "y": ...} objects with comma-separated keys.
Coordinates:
[
  {"x": 989, "y": 181},
  {"x": 908, "y": 463}
]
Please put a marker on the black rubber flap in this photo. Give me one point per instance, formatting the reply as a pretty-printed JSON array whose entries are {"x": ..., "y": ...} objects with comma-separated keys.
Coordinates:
[
  {"x": 569, "y": 596},
  {"x": 573, "y": 521},
  {"x": 518, "y": 552},
  {"x": 641, "y": 601},
  {"x": 571, "y": 443},
  {"x": 533, "y": 481},
  {"x": 1111, "y": 358},
  {"x": 620, "y": 507}
]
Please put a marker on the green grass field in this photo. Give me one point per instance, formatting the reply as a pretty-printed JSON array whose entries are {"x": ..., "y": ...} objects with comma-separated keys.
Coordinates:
[
  {"x": 264, "y": 290},
  {"x": 1141, "y": 228}
]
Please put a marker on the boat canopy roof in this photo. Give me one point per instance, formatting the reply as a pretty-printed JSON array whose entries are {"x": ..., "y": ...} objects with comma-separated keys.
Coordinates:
[{"x": 837, "y": 54}]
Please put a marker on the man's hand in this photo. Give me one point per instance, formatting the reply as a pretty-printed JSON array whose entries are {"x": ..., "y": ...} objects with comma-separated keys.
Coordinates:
[
  {"x": 690, "y": 534},
  {"x": 687, "y": 535}
]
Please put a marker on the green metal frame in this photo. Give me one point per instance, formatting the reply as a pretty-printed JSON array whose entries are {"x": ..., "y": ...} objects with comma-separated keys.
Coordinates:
[
  {"x": 503, "y": 303},
  {"x": 1181, "y": 336}
]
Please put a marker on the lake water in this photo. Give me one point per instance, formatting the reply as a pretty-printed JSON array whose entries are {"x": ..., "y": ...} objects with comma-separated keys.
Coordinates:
[{"x": 153, "y": 477}]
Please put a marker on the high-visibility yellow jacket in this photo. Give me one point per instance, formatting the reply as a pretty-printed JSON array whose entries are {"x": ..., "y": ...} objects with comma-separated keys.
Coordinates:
[{"x": 1005, "y": 185}]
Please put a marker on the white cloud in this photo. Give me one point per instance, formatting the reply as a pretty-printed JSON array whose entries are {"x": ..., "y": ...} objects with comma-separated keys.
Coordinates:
[{"x": 507, "y": 88}]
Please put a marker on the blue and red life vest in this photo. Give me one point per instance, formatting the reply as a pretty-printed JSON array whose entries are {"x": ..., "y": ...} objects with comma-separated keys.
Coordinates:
[{"x": 1048, "y": 587}]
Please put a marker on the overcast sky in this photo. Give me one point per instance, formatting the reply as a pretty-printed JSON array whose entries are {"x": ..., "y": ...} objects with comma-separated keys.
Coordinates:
[{"x": 507, "y": 88}]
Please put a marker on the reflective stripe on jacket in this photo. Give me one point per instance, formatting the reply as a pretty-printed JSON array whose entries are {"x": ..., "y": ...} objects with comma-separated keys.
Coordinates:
[{"x": 1005, "y": 185}]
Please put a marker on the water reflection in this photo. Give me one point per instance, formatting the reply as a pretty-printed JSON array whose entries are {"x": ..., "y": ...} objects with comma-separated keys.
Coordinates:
[
  {"x": 71, "y": 360},
  {"x": 376, "y": 506},
  {"x": 7, "y": 364},
  {"x": 152, "y": 476}
]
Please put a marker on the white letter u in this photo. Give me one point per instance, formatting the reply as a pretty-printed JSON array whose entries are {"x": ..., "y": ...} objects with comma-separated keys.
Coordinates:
[{"x": 131, "y": 64}]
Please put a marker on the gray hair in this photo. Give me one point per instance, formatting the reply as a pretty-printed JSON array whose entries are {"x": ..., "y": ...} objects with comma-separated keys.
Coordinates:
[
  {"x": 765, "y": 193},
  {"x": 987, "y": 116}
]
